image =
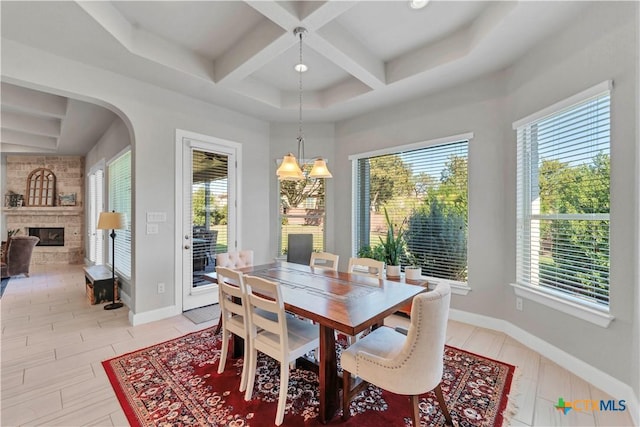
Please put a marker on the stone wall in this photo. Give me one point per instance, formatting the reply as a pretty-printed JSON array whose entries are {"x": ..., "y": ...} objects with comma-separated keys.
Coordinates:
[{"x": 69, "y": 172}]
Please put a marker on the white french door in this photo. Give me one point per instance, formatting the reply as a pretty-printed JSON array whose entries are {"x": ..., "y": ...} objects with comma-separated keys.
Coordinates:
[{"x": 208, "y": 216}]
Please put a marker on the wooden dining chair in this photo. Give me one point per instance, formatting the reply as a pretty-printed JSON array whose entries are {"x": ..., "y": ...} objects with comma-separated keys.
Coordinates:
[
  {"x": 284, "y": 339},
  {"x": 325, "y": 260},
  {"x": 366, "y": 267},
  {"x": 233, "y": 309},
  {"x": 407, "y": 365},
  {"x": 233, "y": 260}
]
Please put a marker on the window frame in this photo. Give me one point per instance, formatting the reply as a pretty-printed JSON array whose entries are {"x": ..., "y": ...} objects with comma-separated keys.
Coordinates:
[
  {"x": 457, "y": 287},
  {"x": 95, "y": 205},
  {"x": 281, "y": 216},
  {"x": 598, "y": 314},
  {"x": 109, "y": 202}
]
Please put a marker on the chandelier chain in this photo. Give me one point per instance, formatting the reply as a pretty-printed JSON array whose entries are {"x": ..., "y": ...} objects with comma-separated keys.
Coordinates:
[{"x": 300, "y": 135}]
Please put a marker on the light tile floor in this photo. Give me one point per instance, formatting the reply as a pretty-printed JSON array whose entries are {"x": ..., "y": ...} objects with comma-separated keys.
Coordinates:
[{"x": 53, "y": 342}]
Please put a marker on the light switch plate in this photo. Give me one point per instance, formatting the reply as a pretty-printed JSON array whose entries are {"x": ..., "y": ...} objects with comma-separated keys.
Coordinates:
[
  {"x": 156, "y": 217},
  {"x": 152, "y": 228}
]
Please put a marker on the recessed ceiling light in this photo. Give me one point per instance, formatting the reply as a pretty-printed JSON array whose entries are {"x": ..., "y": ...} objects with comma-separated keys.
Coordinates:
[
  {"x": 418, "y": 4},
  {"x": 301, "y": 68}
]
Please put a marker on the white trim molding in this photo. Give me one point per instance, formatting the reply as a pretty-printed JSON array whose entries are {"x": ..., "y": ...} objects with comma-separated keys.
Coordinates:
[
  {"x": 575, "y": 309},
  {"x": 153, "y": 315},
  {"x": 602, "y": 87},
  {"x": 605, "y": 382},
  {"x": 413, "y": 146},
  {"x": 457, "y": 287}
]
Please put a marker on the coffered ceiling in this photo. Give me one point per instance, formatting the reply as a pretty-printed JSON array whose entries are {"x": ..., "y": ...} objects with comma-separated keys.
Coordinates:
[{"x": 362, "y": 55}]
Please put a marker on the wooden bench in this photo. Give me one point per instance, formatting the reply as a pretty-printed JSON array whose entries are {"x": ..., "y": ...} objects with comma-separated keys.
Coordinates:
[{"x": 99, "y": 284}]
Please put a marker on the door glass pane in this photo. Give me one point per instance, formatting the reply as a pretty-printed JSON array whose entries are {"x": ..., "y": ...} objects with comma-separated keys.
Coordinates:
[{"x": 209, "y": 196}]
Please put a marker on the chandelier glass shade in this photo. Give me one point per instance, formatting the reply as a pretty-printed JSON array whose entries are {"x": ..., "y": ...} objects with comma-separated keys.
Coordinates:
[{"x": 290, "y": 169}]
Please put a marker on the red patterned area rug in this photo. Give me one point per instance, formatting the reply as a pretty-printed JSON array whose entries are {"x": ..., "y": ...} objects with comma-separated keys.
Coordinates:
[{"x": 176, "y": 383}]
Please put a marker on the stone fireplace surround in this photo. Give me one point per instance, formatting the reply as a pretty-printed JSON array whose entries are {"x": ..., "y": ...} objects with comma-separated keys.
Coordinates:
[{"x": 69, "y": 171}]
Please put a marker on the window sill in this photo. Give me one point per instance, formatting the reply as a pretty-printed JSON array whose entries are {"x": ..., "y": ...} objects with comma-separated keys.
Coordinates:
[
  {"x": 564, "y": 304},
  {"x": 457, "y": 288}
]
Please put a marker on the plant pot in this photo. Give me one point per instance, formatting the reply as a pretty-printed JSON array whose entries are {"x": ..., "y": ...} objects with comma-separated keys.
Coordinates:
[
  {"x": 393, "y": 271},
  {"x": 413, "y": 273}
]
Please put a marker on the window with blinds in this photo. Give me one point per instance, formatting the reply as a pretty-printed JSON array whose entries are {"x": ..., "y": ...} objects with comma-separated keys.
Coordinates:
[
  {"x": 563, "y": 165},
  {"x": 119, "y": 174},
  {"x": 424, "y": 191},
  {"x": 302, "y": 210},
  {"x": 95, "y": 205}
]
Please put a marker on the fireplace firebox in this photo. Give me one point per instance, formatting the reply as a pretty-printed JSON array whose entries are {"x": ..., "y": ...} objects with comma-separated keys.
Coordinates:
[{"x": 49, "y": 236}]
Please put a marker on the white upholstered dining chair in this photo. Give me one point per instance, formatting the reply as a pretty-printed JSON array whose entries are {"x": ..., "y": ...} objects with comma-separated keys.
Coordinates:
[
  {"x": 233, "y": 309},
  {"x": 408, "y": 365},
  {"x": 235, "y": 260},
  {"x": 284, "y": 339},
  {"x": 325, "y": 260},
  {"x": 366, "y": 267}
]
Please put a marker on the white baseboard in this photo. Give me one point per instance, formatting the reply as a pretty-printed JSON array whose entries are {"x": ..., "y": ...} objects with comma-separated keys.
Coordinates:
[
  {"x": 605, "y": 382},
  {"x": 153, "y": 315},
  {"x": 124, "y": 297}
]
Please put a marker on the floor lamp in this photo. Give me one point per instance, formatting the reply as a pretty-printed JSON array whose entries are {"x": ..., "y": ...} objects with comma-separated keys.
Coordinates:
[{"x": 112, "y": 221}]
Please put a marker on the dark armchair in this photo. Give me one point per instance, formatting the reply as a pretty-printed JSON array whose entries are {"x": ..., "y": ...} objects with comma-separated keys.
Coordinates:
[{"x": 17, "y": 255}]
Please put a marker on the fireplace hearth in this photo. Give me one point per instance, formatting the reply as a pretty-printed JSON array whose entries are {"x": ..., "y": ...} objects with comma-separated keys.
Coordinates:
[{"x": 49, "y": 236}]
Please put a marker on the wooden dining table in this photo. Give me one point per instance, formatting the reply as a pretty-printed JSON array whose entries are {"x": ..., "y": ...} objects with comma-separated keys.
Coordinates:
[{"x": 336, "y": 301}]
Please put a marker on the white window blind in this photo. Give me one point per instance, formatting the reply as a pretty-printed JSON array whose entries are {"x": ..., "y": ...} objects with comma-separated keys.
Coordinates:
[
  {"x": 96, "y": 205},
  {"x": 302, "y": 210},
  {"x": 563, "y": 165},
  {"x": 120, "y": 201},
  {"x": 424, "y": 191}
]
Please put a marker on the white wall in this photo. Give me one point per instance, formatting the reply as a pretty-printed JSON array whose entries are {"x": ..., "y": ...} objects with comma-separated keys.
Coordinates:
[
  {"x": 153, "y": 115},
  {"x": 601, "y": 45}
]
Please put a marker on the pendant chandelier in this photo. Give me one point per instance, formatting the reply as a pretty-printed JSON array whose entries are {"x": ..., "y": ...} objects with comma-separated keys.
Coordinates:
[{"x": 289, "y": 169}]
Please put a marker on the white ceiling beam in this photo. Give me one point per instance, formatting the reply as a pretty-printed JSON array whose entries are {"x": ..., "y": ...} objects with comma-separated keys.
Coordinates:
[
  {"x": 449, "y": 49},
  {"x": 339, "y": 46},
  {"x": 33, "y": 102},
  {"x": 343, "y": 92},
  {"x": 428, "y": 57},
  {"x": 105, "y": 14},
  {"x": 145, "y": 44},
  {"x": 29, "y": 140},
  {"x": 280, "y": 13},
  {"x": 31, "y": 124},
  {"x": 13, "y": 148},
  {"x": 171, "y": 55},
  {"x": 260, "y": 91},
  {"x": 256, "y": 49},
  {"x": 266, "y": 42},
  {"x": 318, "y": 17},
  {"x": 489, "y": 21},
  {"x": 312, "y": 100}
]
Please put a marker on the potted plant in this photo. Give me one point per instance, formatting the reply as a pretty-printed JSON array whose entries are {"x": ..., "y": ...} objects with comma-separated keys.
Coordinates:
[
  {"x": 413, "y": 270},
  {"x": 394, "y": 247}
]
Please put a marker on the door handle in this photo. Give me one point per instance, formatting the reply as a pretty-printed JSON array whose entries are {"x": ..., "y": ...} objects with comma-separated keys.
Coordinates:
[{"x": 187, "y": 247}]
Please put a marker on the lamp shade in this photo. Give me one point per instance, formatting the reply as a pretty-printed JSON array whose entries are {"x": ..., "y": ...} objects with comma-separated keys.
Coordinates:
[
  {"x": 320, "y": 169},
  {"x": 289, "y": 169},
  {"x": 112, "y": 221}
]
